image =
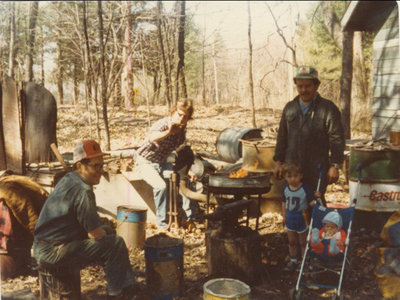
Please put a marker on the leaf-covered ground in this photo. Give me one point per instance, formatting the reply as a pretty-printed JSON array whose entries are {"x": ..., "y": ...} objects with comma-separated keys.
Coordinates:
[{"x": 128, "y": 130}]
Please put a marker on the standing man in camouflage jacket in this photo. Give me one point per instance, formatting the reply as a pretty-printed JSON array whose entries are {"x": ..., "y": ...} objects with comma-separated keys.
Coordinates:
[{"x": 311, "y": 133}]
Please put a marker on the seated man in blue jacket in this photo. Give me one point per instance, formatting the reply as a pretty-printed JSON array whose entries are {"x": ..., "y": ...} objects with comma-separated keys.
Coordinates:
[{"x": 69, "y": 231}]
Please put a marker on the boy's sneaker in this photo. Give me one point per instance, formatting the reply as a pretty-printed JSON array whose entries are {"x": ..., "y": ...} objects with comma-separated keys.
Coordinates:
[{"x": 291, "y": 266}]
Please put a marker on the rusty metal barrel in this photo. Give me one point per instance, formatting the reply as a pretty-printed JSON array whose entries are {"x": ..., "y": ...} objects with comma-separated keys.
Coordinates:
[
  {"x": 131, "y": 225},
  {"x": 379, "y": 188},
  {"x": 164, "y": 267},
  {"x": 229, "y": 146},
  {"x": 376, "y": 165},
  {"x": 378, "y": 191}
]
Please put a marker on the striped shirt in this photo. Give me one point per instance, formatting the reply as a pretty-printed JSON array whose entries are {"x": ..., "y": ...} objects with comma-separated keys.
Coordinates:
[{"x": 158, "y": 151}]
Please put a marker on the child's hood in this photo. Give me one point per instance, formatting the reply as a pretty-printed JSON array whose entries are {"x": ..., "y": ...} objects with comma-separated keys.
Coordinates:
[{"x": 333, "y": 217}]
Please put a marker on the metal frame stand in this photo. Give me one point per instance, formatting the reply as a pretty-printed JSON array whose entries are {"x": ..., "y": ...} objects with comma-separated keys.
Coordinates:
[
  {"x": 247, "y": 209},
  {"x": 173, "y": 200}
]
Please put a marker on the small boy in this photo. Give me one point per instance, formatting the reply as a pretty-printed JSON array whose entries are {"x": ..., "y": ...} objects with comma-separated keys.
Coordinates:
[
  {"x": 296, "y": 199},
  {"x": 330, "y": 239}
]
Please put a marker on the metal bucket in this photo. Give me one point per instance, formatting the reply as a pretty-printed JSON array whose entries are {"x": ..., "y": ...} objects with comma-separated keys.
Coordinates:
[
  {"x": 258, "y": 155},
  {"x": 164, "y": 267},
  {"x": 131, "y": 225},
  {"x": 229, "y": 146},
  {"x": 224, "y": 289},
  {"x": 200, "y": 167}
]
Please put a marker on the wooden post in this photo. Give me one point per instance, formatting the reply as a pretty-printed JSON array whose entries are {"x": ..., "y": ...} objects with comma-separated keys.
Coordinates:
[
  {"x": 60, "y": 283},
  {"x": 237, "y": 257}
]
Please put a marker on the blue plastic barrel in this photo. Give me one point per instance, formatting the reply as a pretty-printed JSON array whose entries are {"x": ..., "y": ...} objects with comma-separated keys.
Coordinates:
[{"x": 164, "y": 267}]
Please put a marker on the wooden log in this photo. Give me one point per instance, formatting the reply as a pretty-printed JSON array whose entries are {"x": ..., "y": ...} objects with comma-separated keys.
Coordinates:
[
  {"x": 57, "y": 153},
  {"x": 237, "y": 257},
  {"x": 59, "y": 283}
]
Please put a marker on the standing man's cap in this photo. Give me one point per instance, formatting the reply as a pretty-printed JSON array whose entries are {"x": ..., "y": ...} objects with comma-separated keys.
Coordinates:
[
  {"x": 87, "y": 149},
  {"x": 306, "y": 72}
]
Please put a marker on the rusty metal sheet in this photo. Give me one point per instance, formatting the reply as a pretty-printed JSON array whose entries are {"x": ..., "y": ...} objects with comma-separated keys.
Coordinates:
[
  {"x": 3, "y": 163},
  {"x": 11, "y": 114},
  {"x": 40, "y": 112}
]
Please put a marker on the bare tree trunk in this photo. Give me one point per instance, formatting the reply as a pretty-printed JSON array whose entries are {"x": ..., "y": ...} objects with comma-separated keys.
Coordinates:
[
  {"x": 96, "y": 109},
  {"x": 360, "y": 75},
  {"x": 145, "y": 85},
  {"x": 344, "y": 41},
  {"x": 215, "y": 76},
  {"x": 169, "y": 38},
  {"x": 203, "y": 79},
  {"x": 251, "y": 85},
  {"x": 292, "y": 56},
  {"x": 180, "y": 72},
  {"x": 33, "y": 12},
  {"x": 163, "y": 58},
  {"x": 117, "y": 93},
  {"x": 127, "y": 74},
  {"x": 42, "y": 77},
  {"x": 345, "y": 81},
  {"x": 103, "y": 80},
  {"x": 156, "y": 88},
  {"x": 290, "y": 46},
  {"x": 88, "y": 68},
  {"x": 332, "y": 23},
  {"x": 76, "y": 84},
  {"x": 60, "y": 69},
  {"x": 1, "y": 68},
  {"x": 11, "y": 61},
  {"x": 203, "y": 63}
]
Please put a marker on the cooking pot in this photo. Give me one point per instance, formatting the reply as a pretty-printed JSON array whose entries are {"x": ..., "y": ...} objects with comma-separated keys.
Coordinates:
[{"x": 258, "y": 155}]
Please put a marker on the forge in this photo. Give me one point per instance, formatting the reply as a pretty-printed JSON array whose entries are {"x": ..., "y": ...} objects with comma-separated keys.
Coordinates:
[{"x": 233, "y": 247}]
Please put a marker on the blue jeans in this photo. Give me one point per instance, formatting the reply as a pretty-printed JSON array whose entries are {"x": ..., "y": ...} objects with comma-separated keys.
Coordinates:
[
  {"x": 155, "y": 174},
  {"x": 110, "y": 251},
  {"x": 150, "y": 173},
  {"x": 190, "y": 207}
]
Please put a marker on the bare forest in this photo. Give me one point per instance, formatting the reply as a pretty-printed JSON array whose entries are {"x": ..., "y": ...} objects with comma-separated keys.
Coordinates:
[{"x": 98, "y": 57}]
